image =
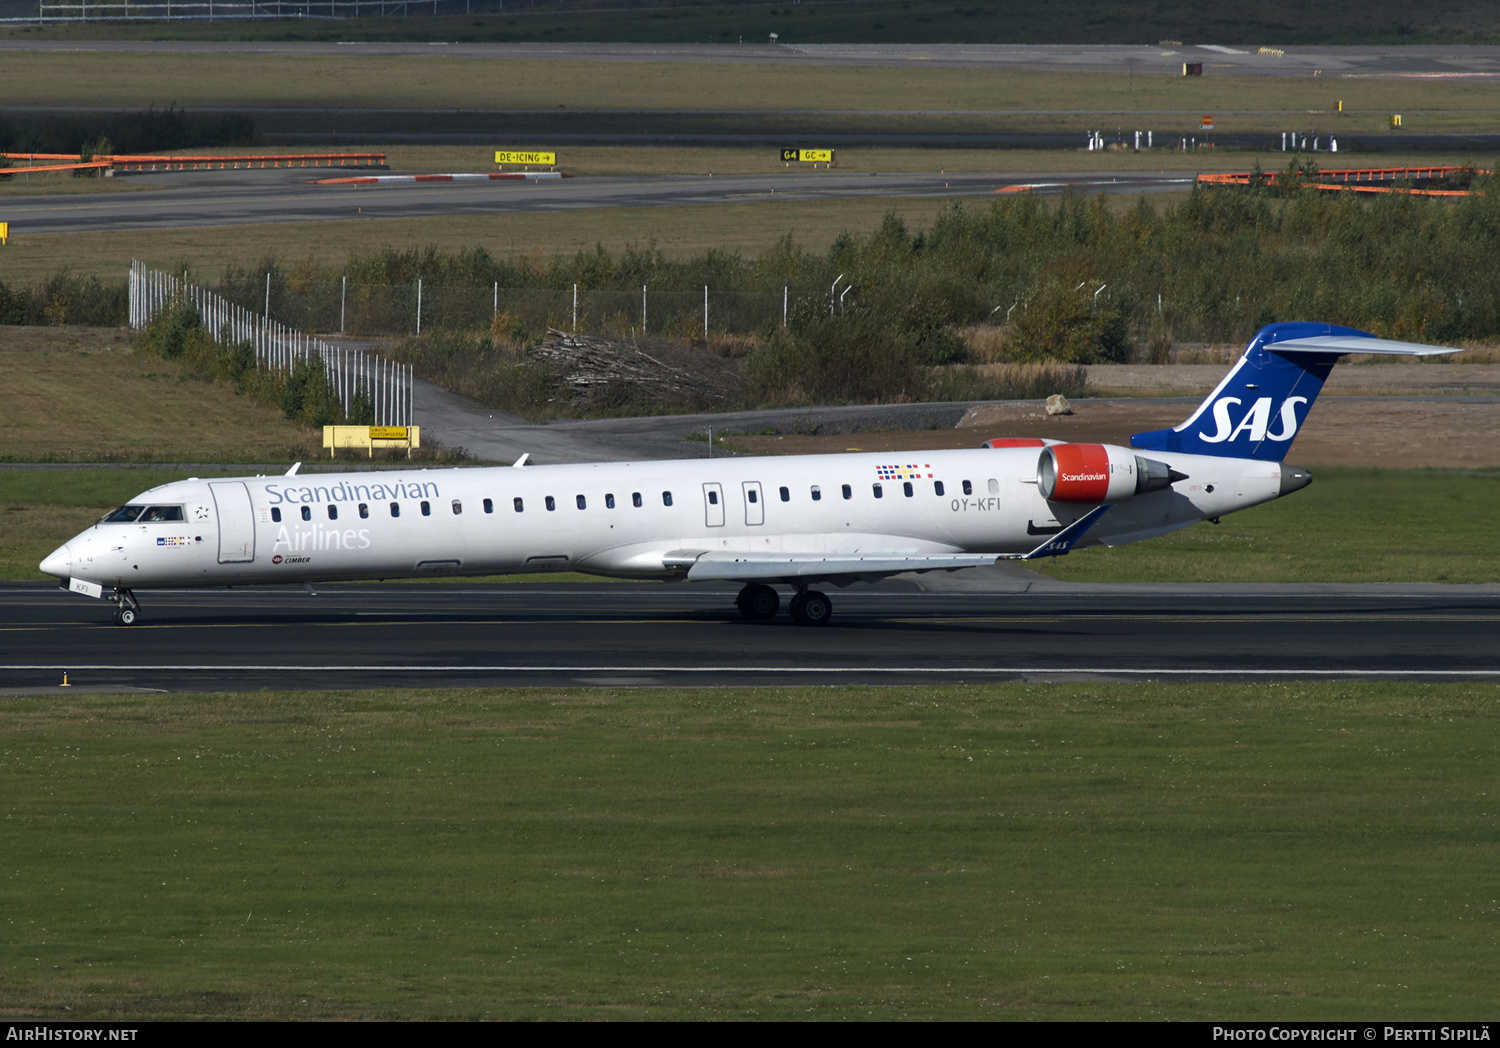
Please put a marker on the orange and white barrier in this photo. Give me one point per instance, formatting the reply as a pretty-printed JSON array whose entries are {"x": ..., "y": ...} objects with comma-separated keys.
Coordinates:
[{"x": 492, "y": 176}]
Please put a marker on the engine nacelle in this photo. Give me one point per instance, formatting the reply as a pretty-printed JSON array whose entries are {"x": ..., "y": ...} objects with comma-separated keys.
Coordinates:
[{"x": 1097, "y": 473}]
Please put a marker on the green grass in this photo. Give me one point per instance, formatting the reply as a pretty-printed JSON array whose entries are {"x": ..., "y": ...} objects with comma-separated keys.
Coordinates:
[
  {"x": 1351, "y": 525},
  {"x": 1282, "y": 22},
  {"x": 1289, "y": 852}
]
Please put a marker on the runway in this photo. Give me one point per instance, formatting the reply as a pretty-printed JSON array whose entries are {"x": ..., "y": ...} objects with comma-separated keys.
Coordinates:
[
  {"x": 229, "y": 198},
  {"x": 972, "y": 626}
]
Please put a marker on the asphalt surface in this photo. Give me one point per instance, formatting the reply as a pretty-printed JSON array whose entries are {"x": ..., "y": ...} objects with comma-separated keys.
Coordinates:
[
  {"x": 1362, "y": 60},
  {"x": 260, "y": 196},
  {"x": 978, "y": 625}
]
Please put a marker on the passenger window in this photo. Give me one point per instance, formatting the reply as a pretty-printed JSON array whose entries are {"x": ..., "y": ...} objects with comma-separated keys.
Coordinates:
[
  {"x": 968, "y": 488},
  {"x": 276, "y": 514},
  {"x": 848, "y": 492},
  {"x": 426, "y": 508},
  {"x": 786, "y": 495},
  {"x": 333, "y": 512},
  {"x": 551, "y": 503},
  {"x": 458, "y": 507},
  {"x": 937, "y": 487},
  {"x": 307, "y": 513},
  {"x": 994, "y": 486},
  {"x": 817, "y": 493},
  {"x": 635, "y": 499},
  {"x": 489, "y": 505},
  {"x": 582, "y": 503},
  {"x": 666, "y": 498},
  {"x": 906, "y": 487},
  {"x": 879, "y": 492},
  {"x": 519, "y": 506},
  {"x": 395, "y": 509},
  {"x": 753, "y": 495},
  {"x": 713, "y": 498},
  {"x": 609, "y": 502},
  {"x": 364, "y": 510}
]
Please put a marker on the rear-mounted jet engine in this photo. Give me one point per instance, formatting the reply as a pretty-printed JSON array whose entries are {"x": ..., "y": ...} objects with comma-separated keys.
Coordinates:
[{"x": 1097, "y": 473}]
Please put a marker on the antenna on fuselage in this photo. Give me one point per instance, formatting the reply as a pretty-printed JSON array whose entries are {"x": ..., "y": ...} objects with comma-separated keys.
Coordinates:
[
  {"x": 293, "y": 471},
  {"x": 522, "y": 460}
]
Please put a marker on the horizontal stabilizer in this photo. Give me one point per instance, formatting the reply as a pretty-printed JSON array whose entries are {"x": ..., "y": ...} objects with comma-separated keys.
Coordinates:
[{"x": 1358, "y": 344}]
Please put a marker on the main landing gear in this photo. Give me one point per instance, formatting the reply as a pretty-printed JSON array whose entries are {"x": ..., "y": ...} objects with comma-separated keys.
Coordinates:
[
  {"x": 758, "y": 602},
  {"x": 127, "y": 608}
]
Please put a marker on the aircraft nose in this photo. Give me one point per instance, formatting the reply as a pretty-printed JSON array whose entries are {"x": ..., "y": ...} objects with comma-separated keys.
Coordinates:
[{"x": 59, "y": 562}]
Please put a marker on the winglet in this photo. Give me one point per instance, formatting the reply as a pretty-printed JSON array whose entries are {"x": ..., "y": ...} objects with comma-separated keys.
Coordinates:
[{"x": 1064, "y": 540}]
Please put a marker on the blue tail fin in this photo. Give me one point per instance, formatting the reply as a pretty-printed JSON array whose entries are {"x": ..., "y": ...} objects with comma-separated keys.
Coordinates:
[{"x": 1258, "y": 408}]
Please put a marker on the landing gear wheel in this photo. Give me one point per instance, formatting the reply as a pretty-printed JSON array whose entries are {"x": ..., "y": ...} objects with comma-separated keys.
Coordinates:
[
  {"x": 757, "y": 602},
  {"x": 811, "y": 608},
  {"x": 127, "y": 609}
]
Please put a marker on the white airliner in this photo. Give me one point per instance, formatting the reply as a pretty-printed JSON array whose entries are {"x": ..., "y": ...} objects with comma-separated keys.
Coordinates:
[{"x": 796, "y": 520}]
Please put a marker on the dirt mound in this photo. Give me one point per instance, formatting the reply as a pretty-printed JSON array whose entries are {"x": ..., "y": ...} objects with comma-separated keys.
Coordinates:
[{"x": 605, "y": 373}]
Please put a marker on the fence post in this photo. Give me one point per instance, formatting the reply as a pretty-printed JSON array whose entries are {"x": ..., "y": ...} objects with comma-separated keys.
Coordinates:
[
  {"x": 575, "y": 309},
  {"x": 705, "y": 312},
  {"x": 343, "y": 300},
  {"x": 496, "y": 311},
  {"x": 268, "y": 294},
  {"x": 643, "y": 309},
  {"x": 419, "y": 305},
  {"x": 785, "y": 293}
]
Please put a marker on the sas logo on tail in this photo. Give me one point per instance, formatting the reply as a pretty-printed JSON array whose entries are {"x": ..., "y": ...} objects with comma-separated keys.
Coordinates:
[{"x": 1256, "y": 421}]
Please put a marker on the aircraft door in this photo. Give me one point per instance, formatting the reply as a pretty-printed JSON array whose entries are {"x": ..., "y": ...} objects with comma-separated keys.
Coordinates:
[
  {"x": 713, "y": 505},
  {"x": 236, "y": 522},
  {"x": 755, "y": 507}
]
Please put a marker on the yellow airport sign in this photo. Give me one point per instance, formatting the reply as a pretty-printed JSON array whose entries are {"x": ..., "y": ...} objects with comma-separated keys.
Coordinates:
[
  {"x": 4, "y": 232},
  {"x": 512, "y": 156},
  {"x": 807, "y": 156},
  {"x": 371, "y": 437}
]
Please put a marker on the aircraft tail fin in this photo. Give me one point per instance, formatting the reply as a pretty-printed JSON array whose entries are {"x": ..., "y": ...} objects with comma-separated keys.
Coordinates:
[{"x": 1256, "y": 410}]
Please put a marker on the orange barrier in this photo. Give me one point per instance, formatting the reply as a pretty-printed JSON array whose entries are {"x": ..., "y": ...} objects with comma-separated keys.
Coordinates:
[
  {"x": 122, "y": 162},
  {"x": 92, "y": 165},
  {"x": 42, "y": 156},
  {"x": 183, "y": 163},
  {"x": 1358, "y": 180}
]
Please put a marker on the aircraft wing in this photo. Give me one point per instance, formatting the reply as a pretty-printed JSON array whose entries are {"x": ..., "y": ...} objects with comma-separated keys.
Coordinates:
[{"x": 843, "y": 568}]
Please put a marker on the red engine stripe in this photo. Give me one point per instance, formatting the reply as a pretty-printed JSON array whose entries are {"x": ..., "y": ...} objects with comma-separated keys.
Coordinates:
[{"x": 1082, "y": 472}]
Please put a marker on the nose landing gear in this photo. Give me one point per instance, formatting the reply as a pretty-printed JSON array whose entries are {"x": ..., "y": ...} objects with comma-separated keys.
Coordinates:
[{"x": 127, "y": 608}]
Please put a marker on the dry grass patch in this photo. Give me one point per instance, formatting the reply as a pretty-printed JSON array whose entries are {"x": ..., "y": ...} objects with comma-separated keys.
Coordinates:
[
  {"x": 420, "y": 82},
  {"x": 82, "y": 394}
]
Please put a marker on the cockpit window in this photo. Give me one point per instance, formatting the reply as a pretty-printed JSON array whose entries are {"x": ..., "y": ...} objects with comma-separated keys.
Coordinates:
[
  {"x": 123, "y": 515},
  {"x": 160, "y": 513}
]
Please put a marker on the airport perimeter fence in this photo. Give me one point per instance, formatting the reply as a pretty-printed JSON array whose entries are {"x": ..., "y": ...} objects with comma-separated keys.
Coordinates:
[
  {"x": 507, "y": 312},
  {"x": 219, "y": 10},
  {"x": 353, "y": 375}
]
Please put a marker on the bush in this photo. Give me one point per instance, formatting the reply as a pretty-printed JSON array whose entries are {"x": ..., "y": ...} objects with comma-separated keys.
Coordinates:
[{"x": 1066, "y": 324}]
